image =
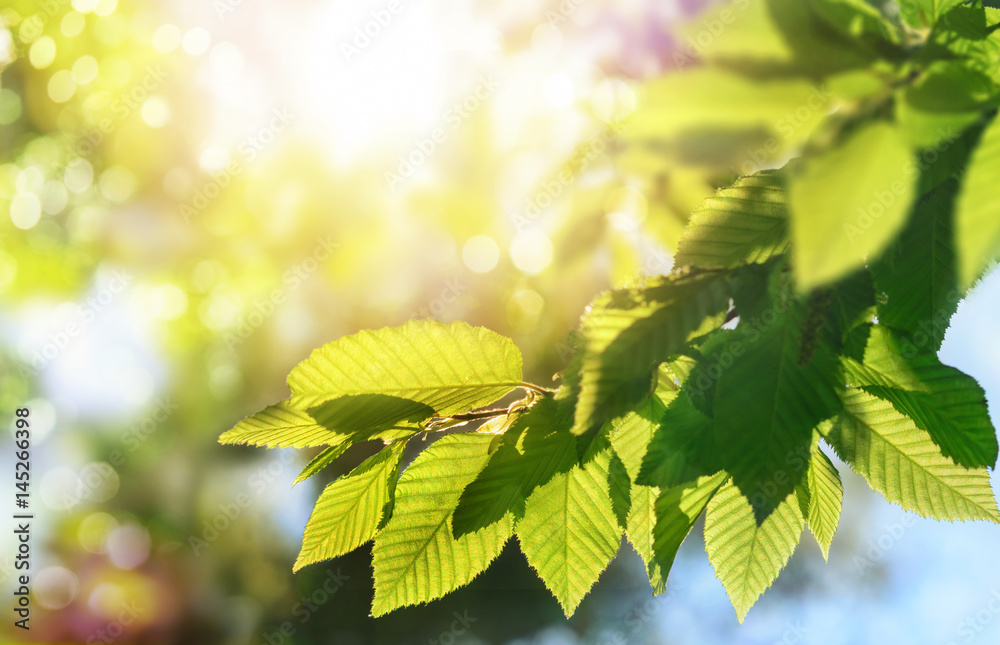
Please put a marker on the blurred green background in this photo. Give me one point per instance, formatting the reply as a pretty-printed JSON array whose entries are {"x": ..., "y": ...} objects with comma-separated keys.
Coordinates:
[{"x": 196, "y": 194}]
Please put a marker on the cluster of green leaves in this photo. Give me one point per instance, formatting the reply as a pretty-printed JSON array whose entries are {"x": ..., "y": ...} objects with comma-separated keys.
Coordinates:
[{"x": 805, "y": 310}]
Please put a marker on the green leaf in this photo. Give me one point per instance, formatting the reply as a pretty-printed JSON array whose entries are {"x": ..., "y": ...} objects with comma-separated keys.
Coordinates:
[
  {"x": 633, "y": 432},
  {"x": 371, "y": 416},
  {"x": 775, "y": 38},
  {"x": 718, "y": 99},
  {"x": 715, "y": 347},
  {"x": 321, "y": 461},
  {"x": 639, "y": 529},
  {"x": 947, "y": 98},
  {"x": 450, "y": 368},
  {"x": 593, "y": 442},
  {"x": 968, "y": 32},
  {"x": 903, "y": 463},
  {"x": 977, "y": 211},
  {"x": 948, "y": 404},
  {"x": 954, "y": 414},
  {"x": 536, "y": 447},
  {"x": 853, "y": 17},
  {"x": 918, "y": 274},
  {"x": 677, "y": 509},
  {"x": 822, "y": 499},
  {"x": 950, "y": 87},
  {"x": 844, "y": 212},
  {"x": 753, "y": 287},
  {"x": 350, "y": 510},
  {"x": 415, "y": 557},
  {"x": 569, "y": 533},
  {"x": 671, "y": 376},
  {"x": 750, "y": 33},
  {"x": 682, "y": 447},
  {"x": 884, "y": 364},
  {"x": 766, "y": 406},
  {"x": 747, "y": 557},
  {"x": 746, "y": 222},
  {"x": 852, "y": 304},
  {"x": 948, "y": 163},
  {"x": 282, "y": 426},
  {"x": 629, "y": 440},
  {"x": 829, "y": 41},
  {"x": 620, "y": 490},
  {"x": 628, "y": 333},
  {"x": 924, "y": 13}
]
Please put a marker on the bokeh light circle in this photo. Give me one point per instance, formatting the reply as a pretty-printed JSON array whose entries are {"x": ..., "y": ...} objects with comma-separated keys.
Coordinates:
[
  {"x": 84, "y": 6},
  {"x": 196, "y": 41},
  {"x": 227, "y": 61},
  {"x": 72, "y": 24},
  {"x": 531, "y": 251},
  {"x": 79, "y": 175},
  {"x": 42, "y": 52},
  {"x": 117, "y": 184},
  {"x": 166, "y": 38},
  {"x": 55, "y": 587},
  {"x": 128, "y": 546},
  {"x": 85, "y": 69},
  {"x": 62, "y": 86},
  {"x": 25, "y": 210},
  {"x": 54, "y": 197},
  {"x": 213, "y": 159},
  {"x": 105, "y": 7},
  {"x": 481, "y": 253},
  {"x": 30, "y": 180},
  {"x": 94, "y": 531},
  {"x": 156, "y": 111}
]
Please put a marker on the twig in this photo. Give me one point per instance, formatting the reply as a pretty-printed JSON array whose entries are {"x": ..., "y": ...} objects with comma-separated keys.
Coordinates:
[
  {"x": 482, "y": 414},
  {"x": 537, "y": 388}
]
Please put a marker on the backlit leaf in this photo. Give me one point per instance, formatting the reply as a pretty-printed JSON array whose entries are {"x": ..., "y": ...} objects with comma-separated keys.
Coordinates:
[
  {"x": 746, "y": 222},
  {"x": 844, "y": 212},
  {"x": 536, "y": 447},
  {"x": 449, "y": 368},
  {"x": 569, "y": 533},
  {"x": 282, "y": 426},
  {"x": 415, "y": 557},
  {"x": 748, "y": 556},
  {"x": 349, "y": 511},
  {"x": 977, "y": 212},
  {"x": 628, "y": 333},
  {"x": 821, "y": 499},
  {"x": 321, "y": 461},
  {"x": 903, "y": 463},
  {"x": 677, "y": 510}
]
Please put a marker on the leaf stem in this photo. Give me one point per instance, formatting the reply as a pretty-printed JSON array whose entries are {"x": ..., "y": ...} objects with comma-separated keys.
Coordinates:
[
  {"x": 482, "y": 414},
  {"x": 537, "y": 388}
]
